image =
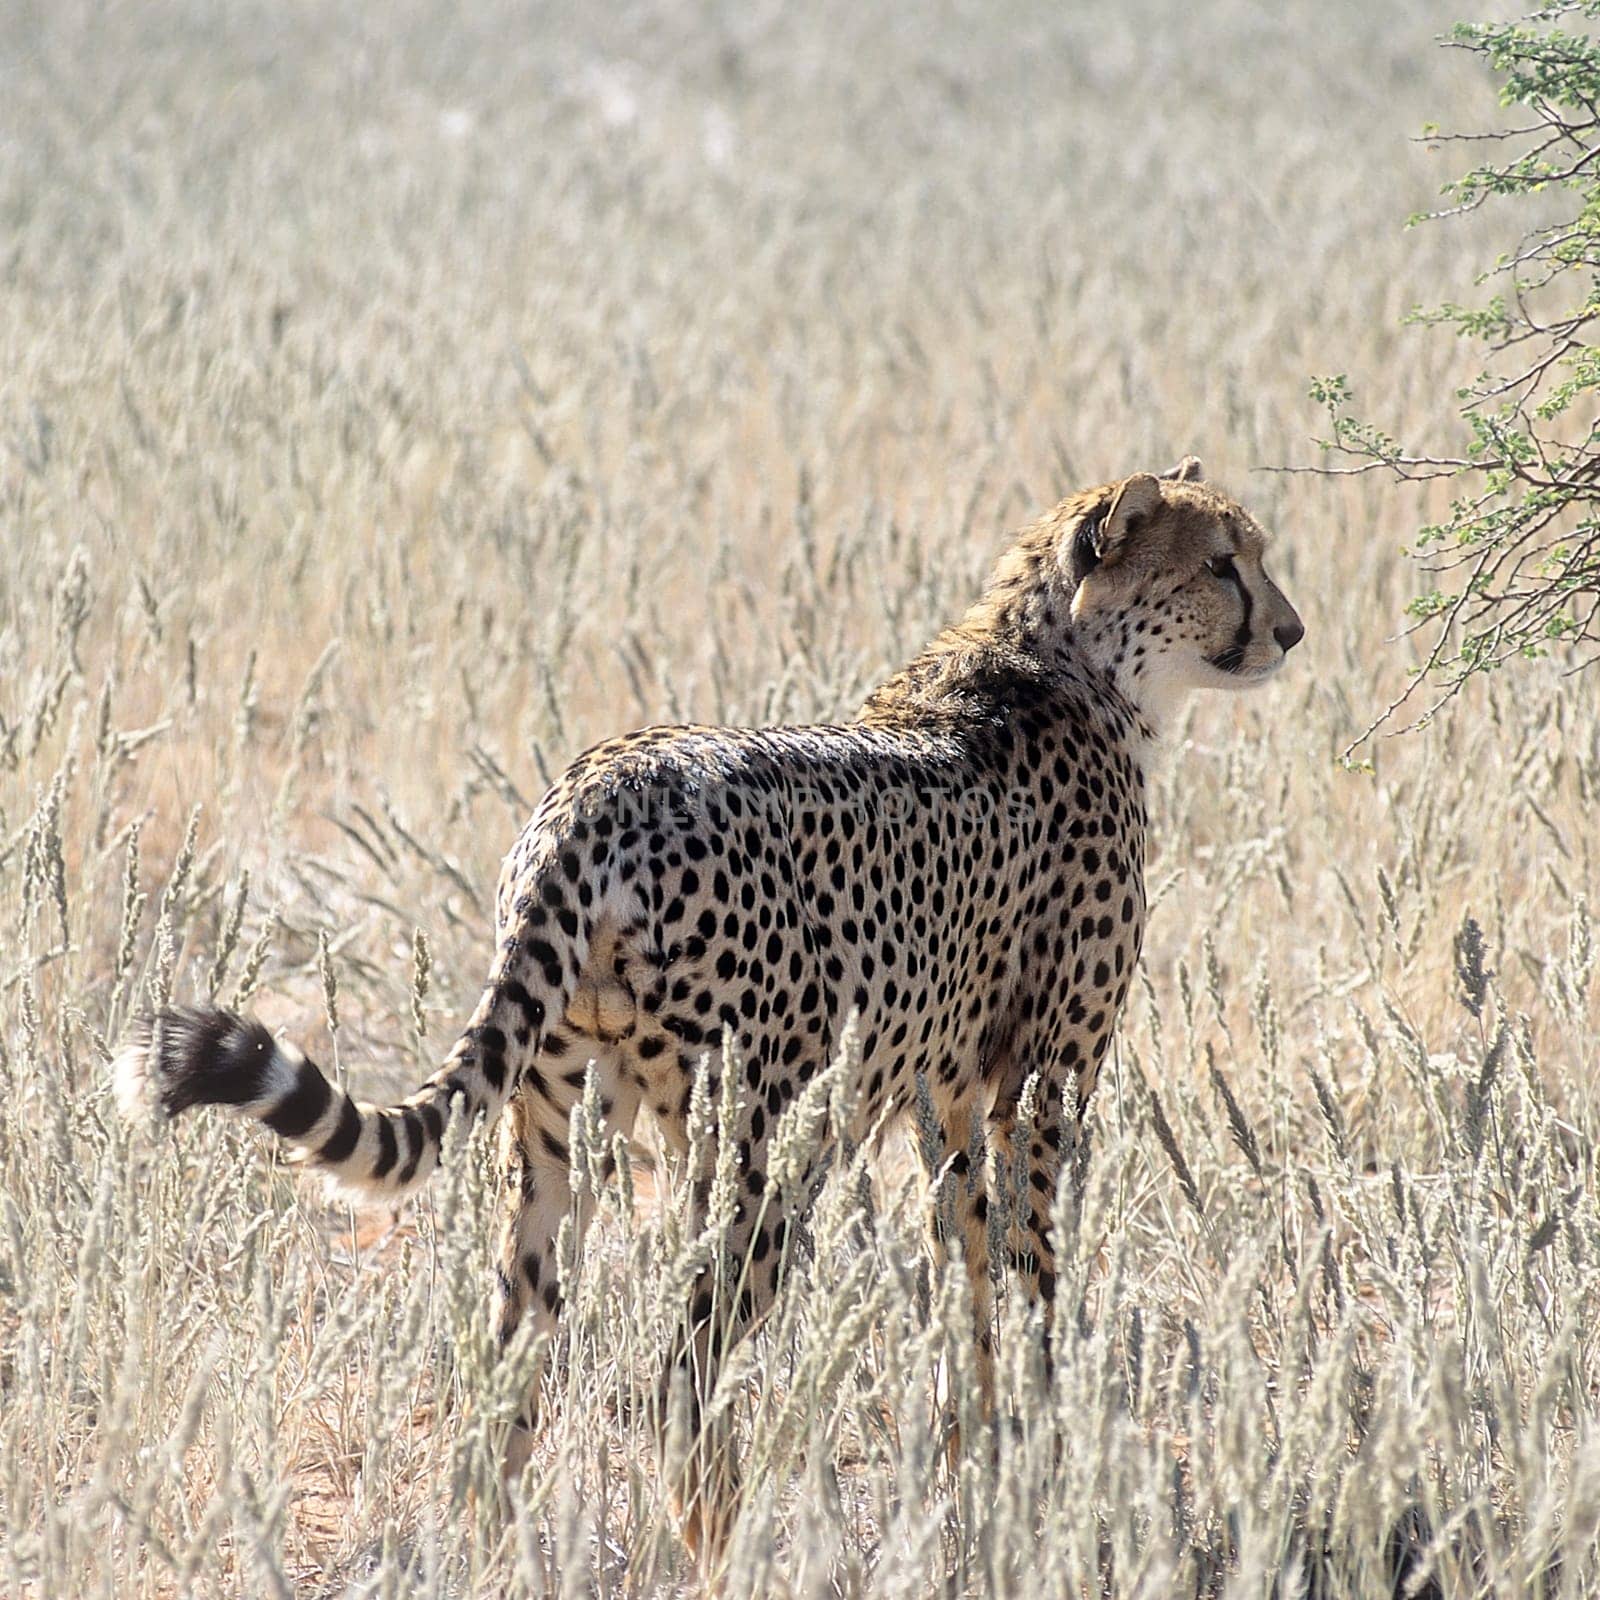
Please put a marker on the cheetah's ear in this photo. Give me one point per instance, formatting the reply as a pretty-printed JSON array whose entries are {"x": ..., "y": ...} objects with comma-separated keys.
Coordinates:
[
  {"x": 1136, "y": 500},
  {"x": 1188, "y": 470},
  {"x": 1104, "y": 531}
]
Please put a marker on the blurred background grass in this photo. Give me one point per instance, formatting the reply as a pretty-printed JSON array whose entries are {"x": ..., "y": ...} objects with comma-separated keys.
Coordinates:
[{"x": 395, "y": 401}]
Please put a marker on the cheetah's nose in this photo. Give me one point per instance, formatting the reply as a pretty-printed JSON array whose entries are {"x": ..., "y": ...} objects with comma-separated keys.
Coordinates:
[{"x": 1289, "y": 634}]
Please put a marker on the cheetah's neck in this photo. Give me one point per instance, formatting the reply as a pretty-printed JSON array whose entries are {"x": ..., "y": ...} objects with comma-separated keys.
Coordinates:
[
  {"x": 1008, "y": 647},
  {"x": 1035, "y": 620}
]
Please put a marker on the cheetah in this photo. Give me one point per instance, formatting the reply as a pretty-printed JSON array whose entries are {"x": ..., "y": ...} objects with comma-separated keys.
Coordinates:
[{"x": 956, "y": 875}]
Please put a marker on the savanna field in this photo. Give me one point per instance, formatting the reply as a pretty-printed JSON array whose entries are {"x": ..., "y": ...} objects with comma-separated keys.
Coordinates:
[{"x": 395, "y": 402}]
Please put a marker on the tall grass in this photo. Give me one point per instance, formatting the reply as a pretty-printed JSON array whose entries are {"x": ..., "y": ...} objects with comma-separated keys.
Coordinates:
[{"x": 395, "y": 402}]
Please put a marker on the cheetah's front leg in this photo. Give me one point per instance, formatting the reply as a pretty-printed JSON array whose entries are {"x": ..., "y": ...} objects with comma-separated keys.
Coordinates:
[{"x": 1027, "y": 1157}]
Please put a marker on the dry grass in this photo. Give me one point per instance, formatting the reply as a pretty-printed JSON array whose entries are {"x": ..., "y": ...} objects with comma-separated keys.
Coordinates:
[{"x": 395, "y": 401}]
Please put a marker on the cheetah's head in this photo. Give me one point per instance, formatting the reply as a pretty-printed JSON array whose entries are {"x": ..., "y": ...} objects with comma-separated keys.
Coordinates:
[{"x": 1169, "y": 590}]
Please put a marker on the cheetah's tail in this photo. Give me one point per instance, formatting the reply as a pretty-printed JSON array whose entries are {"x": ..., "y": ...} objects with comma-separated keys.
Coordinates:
[{"x": 190, "y": 1056}]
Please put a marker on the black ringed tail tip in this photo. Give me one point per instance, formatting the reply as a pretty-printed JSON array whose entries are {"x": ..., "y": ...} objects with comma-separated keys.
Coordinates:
[
  {"x": 204, "y": 1056},
  {"x": 188, "y": 1056},
  {"x": 195, "y": 1056}
]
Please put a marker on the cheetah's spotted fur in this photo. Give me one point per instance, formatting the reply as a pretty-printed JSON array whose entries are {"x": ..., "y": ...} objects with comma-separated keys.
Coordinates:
[{"x": 960, "y": 869}]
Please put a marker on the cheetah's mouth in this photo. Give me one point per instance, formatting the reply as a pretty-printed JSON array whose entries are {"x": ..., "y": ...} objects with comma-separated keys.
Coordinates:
[{"x": 1231, "y": 661}]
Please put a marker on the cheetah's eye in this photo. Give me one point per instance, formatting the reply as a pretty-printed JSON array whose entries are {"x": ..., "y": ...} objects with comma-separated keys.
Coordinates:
[{"x": 1223, "y": 567}]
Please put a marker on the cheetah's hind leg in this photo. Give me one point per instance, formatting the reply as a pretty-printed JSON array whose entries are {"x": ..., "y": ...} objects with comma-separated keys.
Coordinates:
[
  {"x": 731, "y": 1296},
  {"x": 959, "y": 1221},
  {"x": 538, "y": 1196}
]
